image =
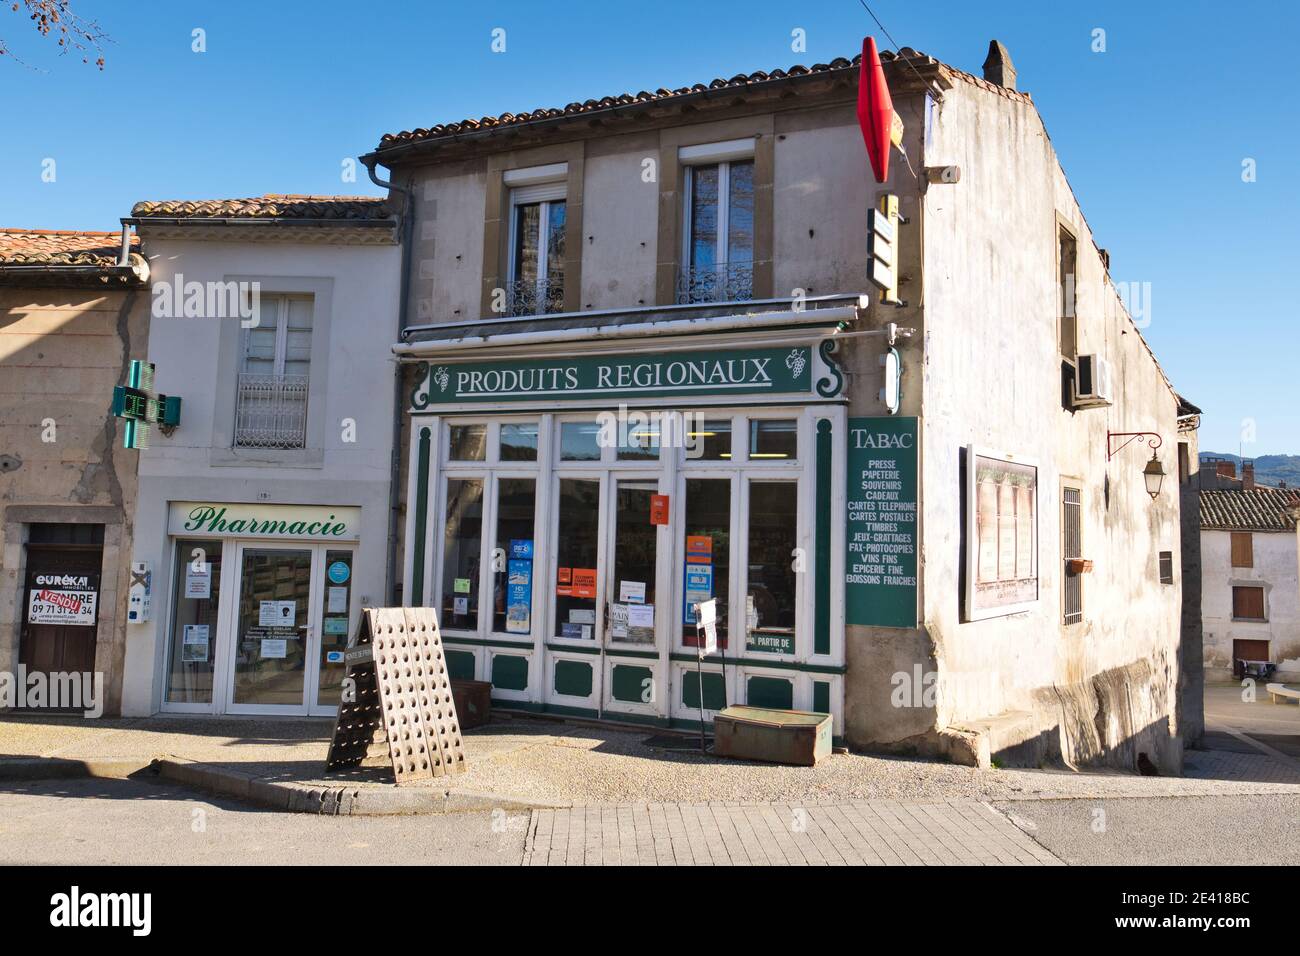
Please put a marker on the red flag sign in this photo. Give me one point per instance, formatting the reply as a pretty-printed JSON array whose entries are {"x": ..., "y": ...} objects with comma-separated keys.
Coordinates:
[{"x": 875, "y": 110}]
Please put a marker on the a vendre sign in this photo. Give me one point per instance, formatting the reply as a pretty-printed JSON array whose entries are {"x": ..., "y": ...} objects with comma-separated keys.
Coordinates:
[{"x": 63, "y": 599}]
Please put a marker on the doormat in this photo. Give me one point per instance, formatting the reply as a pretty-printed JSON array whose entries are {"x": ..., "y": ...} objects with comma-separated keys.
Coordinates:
[
  {"x": 397, "y": 697},
  {"x": 675, "y": 743}
]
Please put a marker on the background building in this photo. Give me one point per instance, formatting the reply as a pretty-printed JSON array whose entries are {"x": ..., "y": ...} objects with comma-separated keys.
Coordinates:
[
  {"x": 1250, "y": 585},
  {"x": 74, "y": 312}
]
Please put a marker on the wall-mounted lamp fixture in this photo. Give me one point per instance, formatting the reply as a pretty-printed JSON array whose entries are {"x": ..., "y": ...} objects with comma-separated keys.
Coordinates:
[{"x": 1154, "y": 473}]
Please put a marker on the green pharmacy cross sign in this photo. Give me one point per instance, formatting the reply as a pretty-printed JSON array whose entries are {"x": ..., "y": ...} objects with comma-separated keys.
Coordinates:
[{"x": 135, "y": 403}]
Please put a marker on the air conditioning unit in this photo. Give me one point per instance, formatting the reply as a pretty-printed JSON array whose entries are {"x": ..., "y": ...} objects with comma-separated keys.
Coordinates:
[{"x": 1093, "y": 382}]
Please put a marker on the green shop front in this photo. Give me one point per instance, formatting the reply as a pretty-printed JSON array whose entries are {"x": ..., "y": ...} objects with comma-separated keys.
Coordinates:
[{"x": 578, "y": 483}]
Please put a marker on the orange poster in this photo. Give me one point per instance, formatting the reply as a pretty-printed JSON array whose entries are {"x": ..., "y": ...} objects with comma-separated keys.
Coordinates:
[
  {"x": 584, "y": 582},
  {"x": 563, "y": 580},
  {"x": 699, "y": 548}
]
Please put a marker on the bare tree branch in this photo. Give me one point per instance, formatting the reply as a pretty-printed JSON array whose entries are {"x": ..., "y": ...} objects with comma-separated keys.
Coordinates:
[{"x": 72, "y": 31}]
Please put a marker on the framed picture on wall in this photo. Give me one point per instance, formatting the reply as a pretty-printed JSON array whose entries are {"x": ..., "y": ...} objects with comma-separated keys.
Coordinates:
[{"x": 1001, "y": 534}]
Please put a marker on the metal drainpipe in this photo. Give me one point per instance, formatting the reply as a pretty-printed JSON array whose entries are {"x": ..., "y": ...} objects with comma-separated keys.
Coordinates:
[{"x": 394, "y": 472}]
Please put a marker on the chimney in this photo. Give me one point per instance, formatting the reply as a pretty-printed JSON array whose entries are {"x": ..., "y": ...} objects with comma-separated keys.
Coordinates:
[
  {"x": 998, "y": 67},
  {"x": 1225, "y": 469},
  {"x": 1247, "y": 476}
]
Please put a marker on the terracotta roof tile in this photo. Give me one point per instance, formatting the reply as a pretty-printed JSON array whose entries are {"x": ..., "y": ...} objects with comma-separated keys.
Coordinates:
[
  {"x": 60, "y": 247},
  {"x": 741, "y": 81},
  {"x": 270, "y": 206},
  {"x": 1261, "y": 509}
]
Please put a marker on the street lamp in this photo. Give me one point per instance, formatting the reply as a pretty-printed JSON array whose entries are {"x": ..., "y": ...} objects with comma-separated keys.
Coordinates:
[{"x": 1153, "y": 474}]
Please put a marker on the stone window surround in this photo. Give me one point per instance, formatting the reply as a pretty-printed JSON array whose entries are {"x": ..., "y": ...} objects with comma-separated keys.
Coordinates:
[
  {"x": 222, "y": 451},
  {"x": 497, "y": 211}
]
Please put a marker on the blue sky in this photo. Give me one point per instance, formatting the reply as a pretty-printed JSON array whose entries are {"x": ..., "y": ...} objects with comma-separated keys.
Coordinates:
[{"x": 1152, "y": 132}]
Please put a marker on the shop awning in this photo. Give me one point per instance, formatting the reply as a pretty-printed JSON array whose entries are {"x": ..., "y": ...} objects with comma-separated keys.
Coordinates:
[{"x": 831, "y": 312}]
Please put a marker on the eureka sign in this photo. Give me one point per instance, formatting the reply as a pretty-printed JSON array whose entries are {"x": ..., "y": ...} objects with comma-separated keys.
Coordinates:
[
  {"x": 781, "y": 370},
  {"x": 213, "y": 519}
]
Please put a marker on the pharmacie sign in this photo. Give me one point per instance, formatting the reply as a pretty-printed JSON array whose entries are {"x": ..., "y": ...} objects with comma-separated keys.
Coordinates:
[
  {"x": 780, "y": 370},
  {"x": 219, "y": 519}
]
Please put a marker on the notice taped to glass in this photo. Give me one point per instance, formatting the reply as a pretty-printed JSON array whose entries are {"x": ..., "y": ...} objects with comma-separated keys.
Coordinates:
[{"x": 880, "y": 538}]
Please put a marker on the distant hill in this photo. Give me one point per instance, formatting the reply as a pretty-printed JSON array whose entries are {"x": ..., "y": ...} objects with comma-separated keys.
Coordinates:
[{"x": 1269, "y": 469}]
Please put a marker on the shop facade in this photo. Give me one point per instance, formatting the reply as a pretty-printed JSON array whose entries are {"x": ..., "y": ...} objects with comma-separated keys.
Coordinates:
[
  {"x": 260, "y": 607},
  {"x": 571, "y": 501},
  {"x": 263, "y": 518}
]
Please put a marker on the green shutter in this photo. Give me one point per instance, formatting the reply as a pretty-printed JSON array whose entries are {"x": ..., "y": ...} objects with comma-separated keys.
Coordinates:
[
  {"x": 774, "y": 692},
  {"x": 715, "y": 691},
  {"x": 628, "y": 683},
  {"x": 573, "y": 678},
  {"x": 822, "y": 542},
  {"x": 460, "y": 665},
  {"x": 510, "y": 672},
  {"x": 821, "y": 696}
]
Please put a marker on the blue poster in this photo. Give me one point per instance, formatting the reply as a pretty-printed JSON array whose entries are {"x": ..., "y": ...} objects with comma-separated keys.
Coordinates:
[
  {"x": 521, "y": 549},
  {"x": 519, "y": 593},
  {"x": 699, "y": 588}
]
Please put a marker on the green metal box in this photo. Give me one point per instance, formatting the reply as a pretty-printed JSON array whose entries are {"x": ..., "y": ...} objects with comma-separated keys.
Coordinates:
[{"x": 776, "y": 736}]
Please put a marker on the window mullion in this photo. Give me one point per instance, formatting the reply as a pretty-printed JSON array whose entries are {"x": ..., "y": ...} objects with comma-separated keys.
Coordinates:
[{"x": 724, "y": 210}]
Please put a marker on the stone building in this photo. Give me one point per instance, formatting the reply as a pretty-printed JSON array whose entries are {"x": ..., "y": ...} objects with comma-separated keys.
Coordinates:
[
  {"x": 74, "y": 312},
  {"x": 647, "y": 366},
  {"x": 1250, "y": 572}
]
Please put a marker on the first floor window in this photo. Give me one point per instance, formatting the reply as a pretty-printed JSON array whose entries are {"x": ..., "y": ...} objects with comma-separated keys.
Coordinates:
[
  {"x": 537, "y": 233},
  {"x": 718, "y": 259},
  {"x": 274, "y": 373}
]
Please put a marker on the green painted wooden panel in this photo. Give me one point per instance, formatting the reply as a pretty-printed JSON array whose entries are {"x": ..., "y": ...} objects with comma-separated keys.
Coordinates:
[
  {"x": 460, "y": 665},
  {"x": 628, "y": 683},
  {"x": 573, "y": 678},
  {"x": 510, "y": 672},
  {"x": 822, "y": 542},
  {"x": 715, "y": 691},
  {"x": 822, "y": 696},
  {"x": 775, "y": 692}
]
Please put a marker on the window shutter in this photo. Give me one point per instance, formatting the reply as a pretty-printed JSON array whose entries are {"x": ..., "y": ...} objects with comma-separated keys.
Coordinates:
[
  {"x": 1248, "y": 603},
  {"x": 1243, "y": 549}
]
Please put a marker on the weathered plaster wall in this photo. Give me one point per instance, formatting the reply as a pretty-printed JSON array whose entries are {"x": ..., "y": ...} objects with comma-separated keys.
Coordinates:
[
  {"x": 993, "y": 378},
  {"x": 1275, "y": 560},
  {"x": 820, "y": 192},
  {"x": 61, "y": 353},
  {"x": 354, "y": 316}
]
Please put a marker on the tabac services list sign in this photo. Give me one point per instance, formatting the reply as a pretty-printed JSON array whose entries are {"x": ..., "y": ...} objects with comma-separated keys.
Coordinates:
[{"x": 880, "y": 567}]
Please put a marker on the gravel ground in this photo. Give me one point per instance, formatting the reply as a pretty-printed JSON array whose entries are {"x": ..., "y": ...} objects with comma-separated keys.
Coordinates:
[{"x": 557, "y": 763}]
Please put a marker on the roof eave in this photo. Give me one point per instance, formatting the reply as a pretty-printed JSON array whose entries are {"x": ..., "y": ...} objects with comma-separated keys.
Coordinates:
[{"x": 914, "y": 79}]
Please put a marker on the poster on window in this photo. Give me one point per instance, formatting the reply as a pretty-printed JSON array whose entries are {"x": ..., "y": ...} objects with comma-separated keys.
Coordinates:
[
  {"x": 63, "y": 599},
  {"x": 519, "y": 594},
  {"x": 1001, "y": 535}
]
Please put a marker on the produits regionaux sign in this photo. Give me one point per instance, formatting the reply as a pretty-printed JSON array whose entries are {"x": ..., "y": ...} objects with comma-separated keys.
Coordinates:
[{"x": 779, "y": 370}]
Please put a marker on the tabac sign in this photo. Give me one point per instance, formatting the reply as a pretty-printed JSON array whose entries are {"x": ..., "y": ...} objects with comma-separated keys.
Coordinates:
[{"x": 718, "y": 372}]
